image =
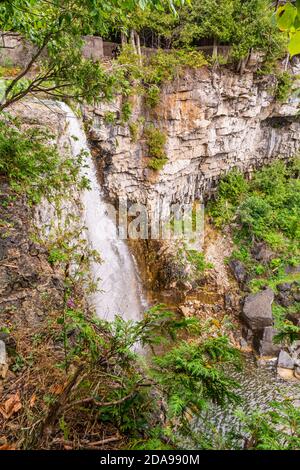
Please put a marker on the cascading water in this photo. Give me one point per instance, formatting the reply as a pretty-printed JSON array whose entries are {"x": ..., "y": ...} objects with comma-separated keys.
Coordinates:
[{"x": 119, "y": 287}]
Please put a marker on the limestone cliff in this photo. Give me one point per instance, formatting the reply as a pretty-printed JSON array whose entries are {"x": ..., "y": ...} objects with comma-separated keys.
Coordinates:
[{"x": 213, "y": 120}]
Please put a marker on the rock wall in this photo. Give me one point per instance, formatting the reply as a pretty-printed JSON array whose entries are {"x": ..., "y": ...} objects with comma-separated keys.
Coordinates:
[
  {"x": 17, "y": 51},
  {"x": 213, "y": 120},
  {"x": 30, "y": 287}
]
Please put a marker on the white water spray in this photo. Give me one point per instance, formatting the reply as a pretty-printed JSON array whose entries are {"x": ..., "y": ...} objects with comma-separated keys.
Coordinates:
[{"x": 119, "y": 287}]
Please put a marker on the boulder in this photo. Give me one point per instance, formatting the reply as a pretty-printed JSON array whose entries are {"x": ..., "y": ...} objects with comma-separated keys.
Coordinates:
[
  {"x": 257, "y": 310},
  {"x": 285, "y": 361},
  {"x": 263, "y": 342},
  {"x": 239, "y": 270}
]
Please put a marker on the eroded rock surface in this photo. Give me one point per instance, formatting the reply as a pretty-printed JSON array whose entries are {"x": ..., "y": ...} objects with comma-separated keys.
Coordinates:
[{"x": 213, "y": 121}]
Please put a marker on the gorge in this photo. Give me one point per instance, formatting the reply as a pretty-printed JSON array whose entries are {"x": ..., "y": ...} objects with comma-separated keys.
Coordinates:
[{"x": 149, "y": 227}]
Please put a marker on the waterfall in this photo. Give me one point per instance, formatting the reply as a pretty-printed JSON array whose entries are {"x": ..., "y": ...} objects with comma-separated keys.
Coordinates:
[{"x": 119, "y": 286}]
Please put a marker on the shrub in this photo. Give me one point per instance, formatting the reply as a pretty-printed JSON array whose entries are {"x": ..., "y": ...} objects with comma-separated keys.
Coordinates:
[
  {"x": 33, "y": 165},
  {"x": 156, "y": 141},
  {"x": 284, "y": 86}
]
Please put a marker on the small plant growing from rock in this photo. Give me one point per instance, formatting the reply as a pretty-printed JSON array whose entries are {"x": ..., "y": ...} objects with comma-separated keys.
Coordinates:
[{"x": 156, "y": 141}]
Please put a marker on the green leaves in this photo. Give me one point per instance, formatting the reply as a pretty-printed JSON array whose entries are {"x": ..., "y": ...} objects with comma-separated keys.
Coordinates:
[
  {"x": 288, "y": 21},
  {"x": 275, "y": 429},
  {"x": 294, "y": 45},
  {"x": 286, "y": 16}
]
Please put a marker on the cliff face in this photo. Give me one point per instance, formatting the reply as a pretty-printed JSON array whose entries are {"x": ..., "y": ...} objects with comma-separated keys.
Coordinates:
[{"x": 213, "y": 121}]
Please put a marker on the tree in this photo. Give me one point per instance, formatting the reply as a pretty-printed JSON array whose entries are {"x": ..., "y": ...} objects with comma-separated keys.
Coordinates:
[
  {"x": 209, "y": 19},
  {"x": 242, "y": 24},
  {"x": 55, "y": 30}
]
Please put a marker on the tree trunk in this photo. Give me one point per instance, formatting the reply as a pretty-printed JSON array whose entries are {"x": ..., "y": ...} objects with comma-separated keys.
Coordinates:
[
  {"x": 132, "y": 41},
  {"x": 286, "y": 62},
  {"x": 138, "y": 46},
  {"x": 215, "y": 48},
  {"x": 123, "y": 39}
]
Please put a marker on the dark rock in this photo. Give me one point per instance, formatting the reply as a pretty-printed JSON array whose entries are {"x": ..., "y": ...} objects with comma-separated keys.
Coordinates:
[
  {"x": 292, "y": 269},
  {"x": 294, "y": 318},
  {"x": 227, "y": 301},
  {"x": 3, "y": 336},
  {"x": 2, "y": 249},
  {"x": 285, "y": 360},
  {"x": 9, "y": 341},
  {"x": 297, "y": 372},
  {"x": 257, "y": 310},
  {"x": 284, "y": 287},
  {"x": 247, "y": 334},
  {"x": 239, "y": 270},
  {"x": 296, "y": 296},
  {"x": 263, "y": 342},
  {"x": 283, "y": 299}
]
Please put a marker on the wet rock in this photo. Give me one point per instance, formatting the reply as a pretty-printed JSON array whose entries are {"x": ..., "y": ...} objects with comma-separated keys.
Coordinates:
[
  {"x": 263, "y": 342},
  {"x": 3, "y": 360},
  {"x": 285, "y": 361},
  {"x": 239, "y": 270},
  {"x": 257, "y": 310}
]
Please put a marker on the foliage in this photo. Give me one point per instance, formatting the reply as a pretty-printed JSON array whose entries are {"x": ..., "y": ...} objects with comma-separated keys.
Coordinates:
[
  {"x": 109, "y": 117},
  {"x": 284, "y": 86},
  {"x": 265, "y": 211},
  {"x": 232, "y": 188},
  {"x": 276, "y": 429},
  {"x": 32, "y": 165},
  {"x": 156, "y": 141},
  {"x": 147, "y": 74},
  {"x": 267, "y": 206},
  {"x": 55, "y": 29},
  {"x": 198, "y": 260},
  {"x": 184, "y": 379},
  {"x": 288, "y": 21},
  {"x": 244, "y": 25}
]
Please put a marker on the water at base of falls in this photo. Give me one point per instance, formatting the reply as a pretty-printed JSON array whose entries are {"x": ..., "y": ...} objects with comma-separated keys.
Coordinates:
[{"x": 120, "y": 291}]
